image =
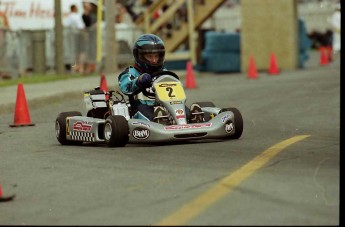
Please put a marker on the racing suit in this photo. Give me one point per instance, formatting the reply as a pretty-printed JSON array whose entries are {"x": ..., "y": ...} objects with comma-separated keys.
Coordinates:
[{"x": 142, "y": 106}]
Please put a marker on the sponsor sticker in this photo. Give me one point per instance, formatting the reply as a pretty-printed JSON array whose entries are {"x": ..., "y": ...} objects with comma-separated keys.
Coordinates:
[
  {"x": 179, "y": 113},
  {"x": 171, "y": 84},
  {"x": 180, "y": 116},
  {"x": 82, "y": 126},
  {"x": 175, "y": 102},
  {"x": 141, "y": 133},
  {"x": 229, "y": 127},
  {"x": 225, "y": 118},
  {"x": 192, "y": 126},
  {"x": 138, "y": 123}
]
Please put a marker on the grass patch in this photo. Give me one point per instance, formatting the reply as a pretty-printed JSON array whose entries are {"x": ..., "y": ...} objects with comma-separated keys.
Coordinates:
[{"x": 40, "y": 78}]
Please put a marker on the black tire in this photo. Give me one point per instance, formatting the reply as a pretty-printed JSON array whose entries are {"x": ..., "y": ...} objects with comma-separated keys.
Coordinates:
[
  {"x": 207, "y": 116},
  {"x": 116, "y": 131},
  {"x": 60, "y": 128},
  {"x": 238, "y": 122}
]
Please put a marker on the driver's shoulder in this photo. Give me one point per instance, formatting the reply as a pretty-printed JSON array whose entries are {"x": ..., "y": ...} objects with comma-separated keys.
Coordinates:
[{"x": 130, "y": 70}]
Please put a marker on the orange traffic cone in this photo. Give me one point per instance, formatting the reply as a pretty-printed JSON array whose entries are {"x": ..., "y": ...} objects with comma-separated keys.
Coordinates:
[
  {"x": 252, "y": 72},
  {"x": 323, "y": 56},
  {"x": 104, "y": 86},
  {"x": 5, "y": 198},
  {"x": 190, "y": 78},
  {"x": 330, "y": 53},
  {"x": 103, "y": 83},
  {"x": 273, "y": 69},
  {"x": 21, "y": 115}
]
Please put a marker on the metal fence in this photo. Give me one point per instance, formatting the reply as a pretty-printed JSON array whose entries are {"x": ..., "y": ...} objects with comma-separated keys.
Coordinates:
[{"x": 33, "y": 50}]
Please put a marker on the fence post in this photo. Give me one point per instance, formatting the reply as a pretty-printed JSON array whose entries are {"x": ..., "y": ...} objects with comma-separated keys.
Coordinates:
[{"x": 39, "y": 51}]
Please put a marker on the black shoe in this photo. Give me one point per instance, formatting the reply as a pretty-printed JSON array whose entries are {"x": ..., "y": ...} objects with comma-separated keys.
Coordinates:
[
  {"x": 160, "y": 115},
  {"x": 197, "y": 115}
]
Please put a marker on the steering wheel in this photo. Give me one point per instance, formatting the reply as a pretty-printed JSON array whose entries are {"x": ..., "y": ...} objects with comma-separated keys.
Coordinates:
[{"x": 149, "y": 92}]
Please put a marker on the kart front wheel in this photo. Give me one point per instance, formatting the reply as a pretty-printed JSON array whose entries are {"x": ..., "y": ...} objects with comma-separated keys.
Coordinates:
[
  {"x": 238, "y": 122},
  {"x": 60, "y": 128},
  {"x": 116, "y": 131}
]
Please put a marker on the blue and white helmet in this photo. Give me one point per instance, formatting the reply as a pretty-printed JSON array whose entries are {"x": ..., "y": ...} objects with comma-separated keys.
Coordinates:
[{"x": 149, "y": 43}]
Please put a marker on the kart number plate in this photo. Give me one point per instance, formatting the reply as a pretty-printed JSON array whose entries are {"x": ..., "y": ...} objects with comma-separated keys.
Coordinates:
[{"x": 168, "y": 91}]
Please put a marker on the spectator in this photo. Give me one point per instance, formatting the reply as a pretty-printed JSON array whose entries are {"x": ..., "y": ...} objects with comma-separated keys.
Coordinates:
[
  {"x": 4, "y": 27},
  {"x": 336, "y": 22},
  {"x": 129, "y": 5},
  {"x": 77, "y": 28},
  {"x": 87, "y": 17},
  {"x": 122, "y": 15},
  {"x": 90, "y": 20}
]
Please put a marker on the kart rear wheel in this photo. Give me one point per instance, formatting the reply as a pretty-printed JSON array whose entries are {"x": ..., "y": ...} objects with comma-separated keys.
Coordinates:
[
  {"x": 238, "y": 122},
  {"x": 207, "y": 116},
  {"x": 116, "y": 131},
  {"x": 60, "y": 128}
]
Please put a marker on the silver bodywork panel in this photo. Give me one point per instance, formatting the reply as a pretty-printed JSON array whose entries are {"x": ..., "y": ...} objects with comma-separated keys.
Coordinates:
[
  {"x": 89, "y": 129},
  {"x": 145, "y": 131}
]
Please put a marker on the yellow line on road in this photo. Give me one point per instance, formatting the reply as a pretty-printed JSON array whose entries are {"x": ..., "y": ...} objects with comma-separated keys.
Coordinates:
[{"x": 225, "y": 186}]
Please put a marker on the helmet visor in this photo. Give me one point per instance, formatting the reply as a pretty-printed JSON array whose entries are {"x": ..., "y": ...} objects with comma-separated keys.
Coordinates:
[{"x": 152, "y": 55}]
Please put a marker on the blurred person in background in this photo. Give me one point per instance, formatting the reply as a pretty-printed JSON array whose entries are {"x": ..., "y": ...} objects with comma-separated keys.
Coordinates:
[
  {"x": 129, "y": 5},
  {"x": 77, "y": 28},
  {"x": 336, "y": 24},
  {"x": 90, "y": 20},
  {"x": 122, "y": 15},
  {"x": 4, "y": 27}
]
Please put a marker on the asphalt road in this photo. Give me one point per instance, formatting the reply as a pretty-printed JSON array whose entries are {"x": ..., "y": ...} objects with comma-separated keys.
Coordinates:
[{"x": 284, "y": 170}]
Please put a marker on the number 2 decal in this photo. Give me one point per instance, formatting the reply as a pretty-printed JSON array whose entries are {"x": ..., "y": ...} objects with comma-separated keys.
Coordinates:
[{"x": 170, "y": 92}]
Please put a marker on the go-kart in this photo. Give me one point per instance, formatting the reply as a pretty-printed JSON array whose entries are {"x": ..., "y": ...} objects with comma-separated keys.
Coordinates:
[{"x": 109, "y": 118}]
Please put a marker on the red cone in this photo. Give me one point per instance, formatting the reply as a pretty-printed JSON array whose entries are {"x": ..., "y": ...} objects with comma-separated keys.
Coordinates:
[
  {"x": 273, "y": 69},
  {"x": 190, "y": 78},
  {"x": 323, "y": 56},
  {"x": 103, "y": 83},
  {"x": 104, "y": 86},
  {"x": 252, "y": 71},
  {"x": 330, "y": 53},
  {"x": 21, "y": 115}
]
